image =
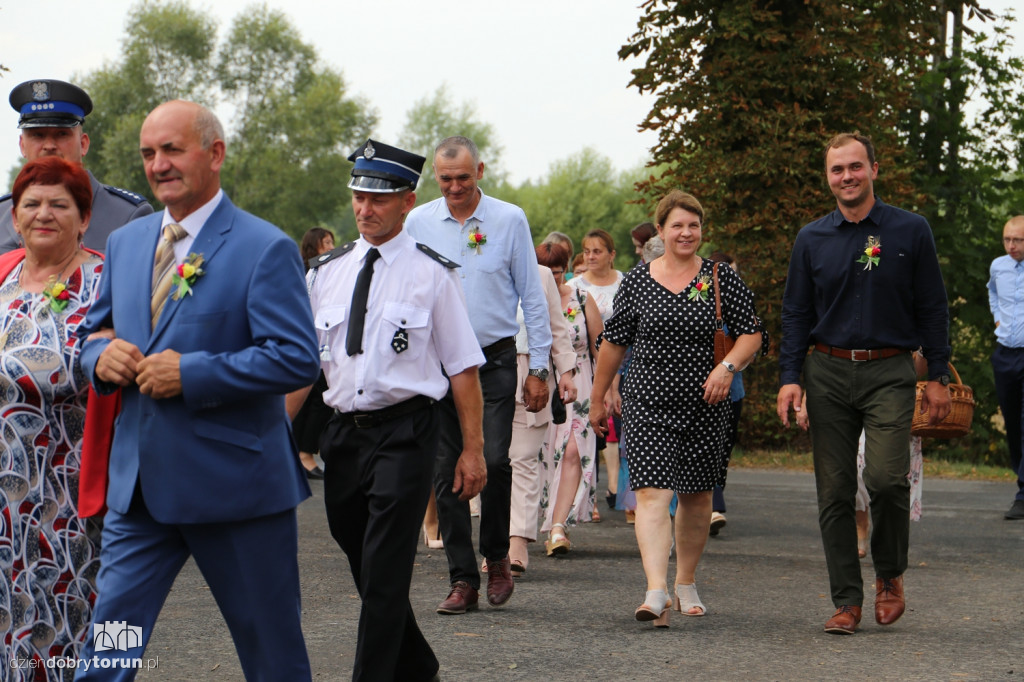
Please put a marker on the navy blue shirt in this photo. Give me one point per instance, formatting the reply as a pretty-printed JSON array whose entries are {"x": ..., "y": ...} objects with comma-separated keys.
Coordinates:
[{"x": 832, "y": 299}]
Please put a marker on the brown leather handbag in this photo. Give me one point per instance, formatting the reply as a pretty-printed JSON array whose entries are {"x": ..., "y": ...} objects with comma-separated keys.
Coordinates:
[{"x": 723, "y": 342}]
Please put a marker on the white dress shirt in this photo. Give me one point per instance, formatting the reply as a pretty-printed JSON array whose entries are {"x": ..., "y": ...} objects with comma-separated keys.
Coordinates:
[
  {"x": 192, "y": 223},
  {"x": 410, "y": 291}
]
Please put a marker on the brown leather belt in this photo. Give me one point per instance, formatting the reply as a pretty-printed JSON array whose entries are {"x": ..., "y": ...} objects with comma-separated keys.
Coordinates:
[{"x": 860, "y": 355}]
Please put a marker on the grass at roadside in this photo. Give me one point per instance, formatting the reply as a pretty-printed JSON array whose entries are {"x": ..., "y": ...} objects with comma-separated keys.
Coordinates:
[{"x": 801, "y": 461}]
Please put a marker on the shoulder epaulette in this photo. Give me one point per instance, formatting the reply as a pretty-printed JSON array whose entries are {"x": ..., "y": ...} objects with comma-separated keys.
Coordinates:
[
  {"x": 317, "y": 261},
  {"x": 447, "y": 262},
  {"x": 125, "y": 194}
]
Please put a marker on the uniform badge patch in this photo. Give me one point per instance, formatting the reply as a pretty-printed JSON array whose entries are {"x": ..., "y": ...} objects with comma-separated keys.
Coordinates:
[{"x": 400, "y": 341}]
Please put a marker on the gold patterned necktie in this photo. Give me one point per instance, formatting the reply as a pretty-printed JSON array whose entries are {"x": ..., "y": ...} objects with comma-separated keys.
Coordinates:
[{"x": 163, "y": 269}]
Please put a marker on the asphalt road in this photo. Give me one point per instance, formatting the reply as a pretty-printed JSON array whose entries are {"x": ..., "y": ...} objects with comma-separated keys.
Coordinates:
[{"x": 763, "y": 579}]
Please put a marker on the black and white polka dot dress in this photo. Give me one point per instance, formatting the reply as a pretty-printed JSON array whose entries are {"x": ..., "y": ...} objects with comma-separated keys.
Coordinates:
[{"x": 676, "y": 440}]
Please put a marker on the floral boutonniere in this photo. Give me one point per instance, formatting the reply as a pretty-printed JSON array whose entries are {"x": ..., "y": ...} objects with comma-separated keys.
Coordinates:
[
  {"x": 476, "y": 239},
  {"x": 570, "y": 313},
  {"x": 699, "y": 291},
  {"x": 56, "y": 294},
  {"x": 872, "y": 253},
  {"x": 186, "y": 274}
]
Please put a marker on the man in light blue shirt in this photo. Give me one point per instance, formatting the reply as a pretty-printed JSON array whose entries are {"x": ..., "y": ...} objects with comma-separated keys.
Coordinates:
[
  {"x": 1006, "y": 301},
  {"x": 491, "y": 241}
]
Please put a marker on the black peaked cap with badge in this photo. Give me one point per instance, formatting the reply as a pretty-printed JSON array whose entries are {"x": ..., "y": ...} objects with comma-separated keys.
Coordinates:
[
  {"x": 384, "y": 169},
  {"x": 47, "y": 103}
]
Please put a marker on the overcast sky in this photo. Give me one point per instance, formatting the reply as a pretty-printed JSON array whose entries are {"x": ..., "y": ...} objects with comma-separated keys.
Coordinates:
[{"x": 544, "y": 73}]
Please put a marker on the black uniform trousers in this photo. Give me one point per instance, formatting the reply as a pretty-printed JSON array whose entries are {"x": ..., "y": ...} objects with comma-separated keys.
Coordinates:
[
  {"x": 376, "y": 486},
  {"x": 498, "y": 377}
]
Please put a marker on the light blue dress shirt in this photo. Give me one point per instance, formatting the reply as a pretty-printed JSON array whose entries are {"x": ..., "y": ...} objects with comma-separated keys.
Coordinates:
[
  {"x": 496, "y": 275},
  {"x": 1006, "y": 300}
]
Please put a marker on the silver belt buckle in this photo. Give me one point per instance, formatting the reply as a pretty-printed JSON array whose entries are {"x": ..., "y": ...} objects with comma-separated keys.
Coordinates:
[{"x": 853, "y": 355}]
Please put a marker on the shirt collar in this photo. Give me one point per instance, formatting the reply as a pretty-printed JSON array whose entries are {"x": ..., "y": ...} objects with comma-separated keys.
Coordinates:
[
  {"x": 479, "y": 213},
  {"x": 194, "y": 221},
  {"x": 874, "y": 215},
  {"x": 389, "y": 250}
]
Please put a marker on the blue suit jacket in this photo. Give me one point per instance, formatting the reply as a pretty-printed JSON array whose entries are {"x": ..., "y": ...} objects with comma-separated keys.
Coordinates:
[{"x": 222, "y": 450}]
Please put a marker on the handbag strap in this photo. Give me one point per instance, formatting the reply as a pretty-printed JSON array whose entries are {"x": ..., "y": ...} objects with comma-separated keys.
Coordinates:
[{"x": 718, "y": 298}]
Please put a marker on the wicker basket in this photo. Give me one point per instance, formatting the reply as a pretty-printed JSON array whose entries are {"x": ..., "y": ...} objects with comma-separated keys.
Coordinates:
[{"x": 957, "y": 423}]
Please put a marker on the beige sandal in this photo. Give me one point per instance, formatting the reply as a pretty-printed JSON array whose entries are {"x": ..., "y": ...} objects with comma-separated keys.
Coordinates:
[{"x": 557, "y": 542}]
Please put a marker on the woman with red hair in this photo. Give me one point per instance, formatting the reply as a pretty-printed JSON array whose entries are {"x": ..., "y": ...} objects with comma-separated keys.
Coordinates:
[{"x": 48, "y": 556}]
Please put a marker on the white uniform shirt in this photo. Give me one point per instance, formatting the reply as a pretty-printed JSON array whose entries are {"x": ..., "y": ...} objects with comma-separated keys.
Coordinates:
[{"x": 410, "y": 291}]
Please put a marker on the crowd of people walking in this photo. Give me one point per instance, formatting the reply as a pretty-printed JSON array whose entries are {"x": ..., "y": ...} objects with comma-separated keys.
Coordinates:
[{"x": 439, "y": 358}]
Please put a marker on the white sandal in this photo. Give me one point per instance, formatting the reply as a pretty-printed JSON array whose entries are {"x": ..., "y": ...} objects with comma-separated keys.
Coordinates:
[{"x": 687, "y": 598}]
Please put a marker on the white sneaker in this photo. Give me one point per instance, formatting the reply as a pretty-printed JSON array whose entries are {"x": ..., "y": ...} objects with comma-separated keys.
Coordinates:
[{"x": 717, "y": 522}]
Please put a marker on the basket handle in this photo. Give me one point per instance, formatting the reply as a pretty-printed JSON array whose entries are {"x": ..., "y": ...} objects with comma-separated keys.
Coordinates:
[{"x": 956, "y": 374}]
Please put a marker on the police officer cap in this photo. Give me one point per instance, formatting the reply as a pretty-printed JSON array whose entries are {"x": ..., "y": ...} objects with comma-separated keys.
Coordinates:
[
  {"x": 50, "y": 104},
  {"x": 382, "y": 168}
]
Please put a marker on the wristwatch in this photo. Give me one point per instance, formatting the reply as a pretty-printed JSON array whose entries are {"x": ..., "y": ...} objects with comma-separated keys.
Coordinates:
[
  {"x": 541, "y": 374},
  {"x": 729, "y": 366},
  {"x": 944, "y": 379}
]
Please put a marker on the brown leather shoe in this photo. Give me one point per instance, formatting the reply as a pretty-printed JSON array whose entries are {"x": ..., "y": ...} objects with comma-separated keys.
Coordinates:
[
  {"x": 499, "y": 581},
  {"x": 889, "y": 602},
  {"x": 462, "y": 598},
  {"x": 844, "y": 621}
]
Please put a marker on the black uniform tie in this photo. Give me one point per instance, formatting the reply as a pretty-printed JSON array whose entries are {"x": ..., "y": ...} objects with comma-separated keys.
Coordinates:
[{"x": 354, "y": 341}]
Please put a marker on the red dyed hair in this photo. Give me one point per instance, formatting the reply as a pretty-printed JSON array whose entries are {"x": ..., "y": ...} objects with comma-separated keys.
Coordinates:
[
  {"x": 53, "y": 170},
  {"x": 551, "y": 254}
]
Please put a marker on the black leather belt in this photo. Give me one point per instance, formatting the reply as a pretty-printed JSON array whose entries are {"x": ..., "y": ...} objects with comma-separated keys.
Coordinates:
[
  {"x": 371, "y": 418},
  {"x": 860, "y": 355},
  {"x": 499, "y": 346}
]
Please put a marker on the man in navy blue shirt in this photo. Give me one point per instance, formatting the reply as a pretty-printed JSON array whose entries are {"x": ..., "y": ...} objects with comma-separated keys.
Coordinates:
[
  {"x": 864, "y": 290},
  {"x": 1006, "y": 301}
]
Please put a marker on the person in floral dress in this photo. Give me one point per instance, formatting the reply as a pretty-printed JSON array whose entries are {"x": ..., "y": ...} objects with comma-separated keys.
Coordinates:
[
  {"x": 48, "y": 557},
  {"x": 569, "y": 457}
]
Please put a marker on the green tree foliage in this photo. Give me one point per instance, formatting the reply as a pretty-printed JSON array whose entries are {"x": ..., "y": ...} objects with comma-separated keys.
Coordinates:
[
  {"x": 432, "y": 119},
  {"x": 581, "y": 193},
  {"x": 746, "y": 93},
  {"x": 967, "y": 132},
  {"x": 295, "y": 124},
  {"x": 292, "y": 122}
]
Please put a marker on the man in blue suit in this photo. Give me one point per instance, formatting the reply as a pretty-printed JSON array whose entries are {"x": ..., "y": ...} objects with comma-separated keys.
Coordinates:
[{"x": 202, "y": 461}]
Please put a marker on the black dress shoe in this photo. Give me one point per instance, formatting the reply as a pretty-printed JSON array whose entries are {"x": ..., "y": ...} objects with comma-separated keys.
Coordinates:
[
  {"x": 1016, "y": 511},
  {"x": 315, "y": 474}
]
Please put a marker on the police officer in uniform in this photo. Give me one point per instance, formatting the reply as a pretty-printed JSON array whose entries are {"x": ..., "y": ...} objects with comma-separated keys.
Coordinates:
[
  {"x": 52, "y": 115},
  {"x": 390, "y": 314}
]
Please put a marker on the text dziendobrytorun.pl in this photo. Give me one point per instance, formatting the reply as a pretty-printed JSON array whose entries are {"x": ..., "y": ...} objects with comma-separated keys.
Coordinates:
[{"x": 70, "y": 663}]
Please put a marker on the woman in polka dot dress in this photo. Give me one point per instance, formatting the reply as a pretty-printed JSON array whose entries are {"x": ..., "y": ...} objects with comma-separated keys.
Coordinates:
[{"x": 675, "y": 408}]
